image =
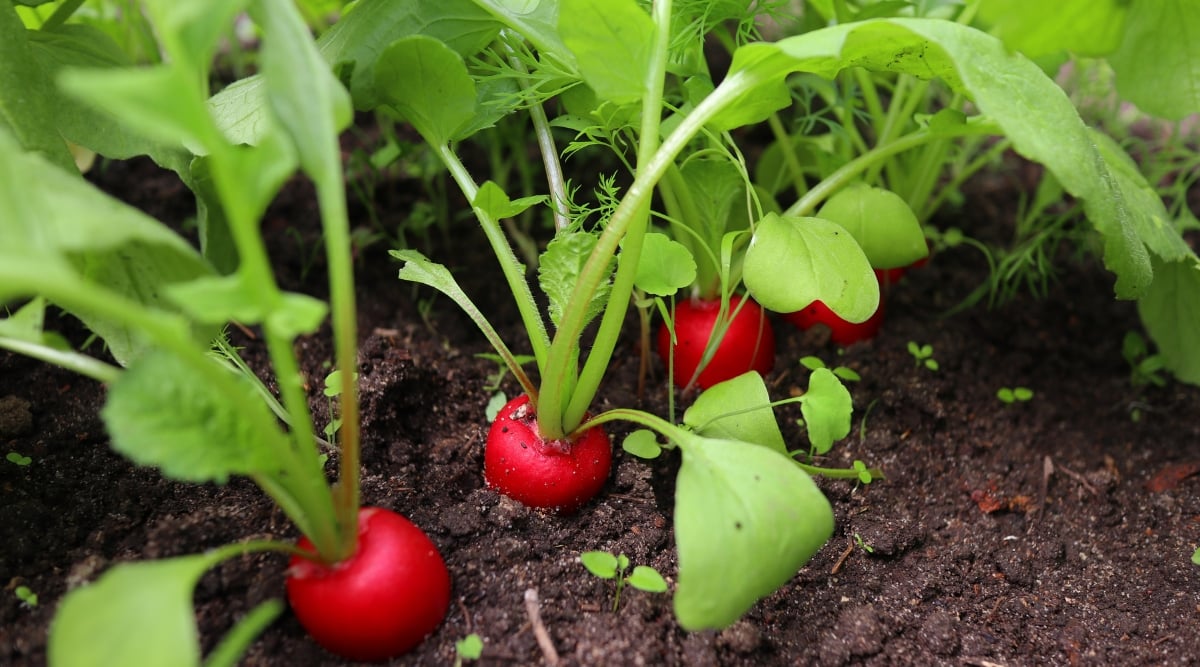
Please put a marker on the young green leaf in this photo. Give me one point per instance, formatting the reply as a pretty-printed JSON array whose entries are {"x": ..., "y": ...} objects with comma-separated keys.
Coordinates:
[
  {"x": 746, "y": 520},
  {"x": 642, "y": 443},
  {"x": 469, "y": 647},
  {"x": 826, "y": 407},
  {"x": 665, "y": 267},
  {"x": 194, "y": 427},
  {"x": 881, "y": 222},
  {"x": 427, "y": 82},
  {"x": 737, "y": 409},
  {"x": 496, "y": 203},
  {"x": 821, "y": 260},
  {"x": 645, "y": 578},
  {"x": 418, "y": 269},
  {"x": 559, "y": 269},
  {"x": 611, "y": 41},
  {"x": 600, "y": 563}
]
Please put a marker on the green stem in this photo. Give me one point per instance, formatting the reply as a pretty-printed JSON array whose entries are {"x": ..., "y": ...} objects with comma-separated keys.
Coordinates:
[
  {"x": 569, "y": 395},
  {"x": 838, "y": 473},
  {"x": 305, "y": 481},
  {"x": 514, "y": 272},
  {"x": 851, "y": 170},
  {"x": 331, "y": 198},
  {"x": 549, "y": 151},
  {"x": 68, "y": 359},
  {"x": 61, "y": 14},
  {"x": 787, "y": 149}
]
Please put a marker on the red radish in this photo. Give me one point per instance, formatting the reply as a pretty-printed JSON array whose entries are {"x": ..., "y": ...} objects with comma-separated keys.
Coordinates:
[
  {"x": 379, "y": 603},
  {"x": 748, "y": 343},
  {"x": 560, "y": 475},
  {"x": 843, "y": 332}
]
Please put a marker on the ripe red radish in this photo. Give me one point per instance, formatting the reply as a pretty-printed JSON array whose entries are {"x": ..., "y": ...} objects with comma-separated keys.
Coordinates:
[
  {"x": 748, "y": 343},
  {"x": 379, "y": 603},
  {"x": 842, "y": 332},
  {"x": 560, "y": 475}
]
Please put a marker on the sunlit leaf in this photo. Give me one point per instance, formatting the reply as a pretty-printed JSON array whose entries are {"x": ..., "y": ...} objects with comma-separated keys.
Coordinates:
[
  {"x": 746, "y": 520},
  {"x": 819, "y": 259}
]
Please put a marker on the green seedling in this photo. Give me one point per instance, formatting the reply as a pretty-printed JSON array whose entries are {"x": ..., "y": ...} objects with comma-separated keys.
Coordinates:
[
  {"x": 17, "y": 459},
  {"x": 858, "y": 540},
  {"x": 494, "y": 379},
  {"x": 865, "y": 475},
  {"x": 26, "y": 596},
  {"x": 607, "y": 566},
  {"x": 333, "y": 389},
  {"x": 843, "y": 373},
  {"x": 923, "y": 355},
  {"x": 1010, "y": 395},
  {"x": 468, "y": 648},
  {"x": 1145, "y": 369}
]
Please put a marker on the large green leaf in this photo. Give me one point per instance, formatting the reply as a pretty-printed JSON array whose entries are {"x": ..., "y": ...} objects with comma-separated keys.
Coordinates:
[
  {"x": 1147, "y": 214},
  {"x": 826, "y": 407},
  {"x": 737, "y": 409},
  {"x": 135, "y": 614},
  {"x": 536, "y": 20},
  {"x": 27, "y": 102},
  {"x": 792, "y": 262},
  {"x": 1170, "y": 310},
  {"x": 73, "y": 232},
  {"x": 1012, "y": 92},
  {"x": 83, "y": 46},
  {"x": 1038, "y": 28},
  {"x": 428, "y": 84},
  {"x": 1158, "y": 64},
  {"x": 746, "y": 520},
  {"x": 193, "y": 426},
  {"x": 611, "y": 41},
  {"x": 354, "y": 46},
  {"x": 881, "y": 222},
  {"x": 141, "y": 613}
]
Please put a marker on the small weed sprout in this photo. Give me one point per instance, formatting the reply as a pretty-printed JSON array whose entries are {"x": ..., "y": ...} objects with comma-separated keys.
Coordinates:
[
  {"x": 468, "y": 648},
  {"x": 846, "y": 374},
  {"x": 607, "y": 566},
  {"x": 1144, "y": 368},
  {"x": 17, "y": 459},
  {"x": 1010, "y": 395},
  {"x": 27, "y": 596},
  {"x": 863, "y": 545},
  {"x": 333, "y": 389},
  {"x": 923, "y": 354},
  {"x": 864, "y": 473}
]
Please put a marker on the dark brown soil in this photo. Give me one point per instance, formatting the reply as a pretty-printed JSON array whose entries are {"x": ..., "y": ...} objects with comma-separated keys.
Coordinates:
[{"x": 1003, "y": 535}]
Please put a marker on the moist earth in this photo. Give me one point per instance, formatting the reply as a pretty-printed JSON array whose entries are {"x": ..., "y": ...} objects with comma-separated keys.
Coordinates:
[{"x": 1055, "y": 531}]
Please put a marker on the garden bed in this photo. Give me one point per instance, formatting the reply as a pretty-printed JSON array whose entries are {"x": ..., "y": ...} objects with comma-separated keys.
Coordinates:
[{"x": 1054, "y": 531}]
